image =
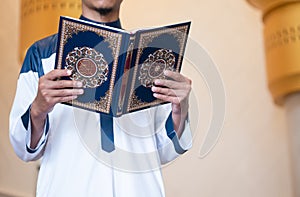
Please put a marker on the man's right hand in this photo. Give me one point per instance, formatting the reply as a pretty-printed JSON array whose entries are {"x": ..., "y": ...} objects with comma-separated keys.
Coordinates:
[{"x": 50, "y": 92}]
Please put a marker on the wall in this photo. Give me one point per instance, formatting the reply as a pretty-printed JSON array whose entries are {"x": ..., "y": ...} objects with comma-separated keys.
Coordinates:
[
  {"x": 16, "y": 177},
  {"x": 251, "y": 157}
]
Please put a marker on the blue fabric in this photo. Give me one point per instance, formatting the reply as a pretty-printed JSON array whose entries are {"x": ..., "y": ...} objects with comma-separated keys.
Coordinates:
[
  {"x": 25, "y": 120},
  {"x": 33, "y": 150},
  {"x": 173, "y": 135},
  {"x": 116, "y": 24},
  {"x": 107, "y": 134},
  {"x": 41, "y": 49}
]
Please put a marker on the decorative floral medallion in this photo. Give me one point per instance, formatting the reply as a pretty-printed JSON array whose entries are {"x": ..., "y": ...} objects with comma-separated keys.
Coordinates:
[
  {"x": 87, "y": 66},
  {"x": 155, "y": 65}
]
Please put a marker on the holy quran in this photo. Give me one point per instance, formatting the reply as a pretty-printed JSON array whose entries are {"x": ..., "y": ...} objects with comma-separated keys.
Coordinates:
[{"x": 117, "y": 67}]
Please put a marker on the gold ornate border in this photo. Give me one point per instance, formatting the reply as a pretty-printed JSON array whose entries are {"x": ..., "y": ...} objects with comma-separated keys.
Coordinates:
[
  {"x": 180, "y": 34},
  {"x": 96, "y": 105},
  {"x": 70, "y": 28}
]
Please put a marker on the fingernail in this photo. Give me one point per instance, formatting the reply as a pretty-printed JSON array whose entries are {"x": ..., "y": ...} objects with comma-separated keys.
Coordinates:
[
  {"x": 166, "y": 72},
  {"x": 79, "y": 84},
  {"x": 81, "y": 91},
  {"x": 69, "y": 72}
]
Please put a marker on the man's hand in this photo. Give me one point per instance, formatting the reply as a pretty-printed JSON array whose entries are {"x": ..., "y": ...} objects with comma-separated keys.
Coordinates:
[
  {"x": 50, "y": 92},
  {"x": 177, "y": 92}
]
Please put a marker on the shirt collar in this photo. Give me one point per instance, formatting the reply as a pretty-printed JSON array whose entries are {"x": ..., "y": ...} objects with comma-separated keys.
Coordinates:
[{"x": 116, "y": 24}]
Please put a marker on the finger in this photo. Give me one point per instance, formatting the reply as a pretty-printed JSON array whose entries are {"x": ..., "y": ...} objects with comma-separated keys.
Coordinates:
[
  {"x": 62, "y": 92},
  {"x": 175, "y": 76},
  {"x": 57, "y": 73},
  {"x": 169, "y": 83},
  {"x": 61, "y": 84},
  {"x": 172, "y": 99},
  {"x": 165, "y": 91},
  {"x": 64, "y": 99}
]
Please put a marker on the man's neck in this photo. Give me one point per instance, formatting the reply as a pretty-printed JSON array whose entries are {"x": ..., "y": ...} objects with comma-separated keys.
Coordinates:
[{"x": 96, "y": 16}]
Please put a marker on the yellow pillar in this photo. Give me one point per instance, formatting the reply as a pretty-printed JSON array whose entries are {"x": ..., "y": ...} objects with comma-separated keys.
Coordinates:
[
  {"x": 282, "y": 48},
  {"x": 40, "y": 18},
  {"x": 282, "y": 45}
]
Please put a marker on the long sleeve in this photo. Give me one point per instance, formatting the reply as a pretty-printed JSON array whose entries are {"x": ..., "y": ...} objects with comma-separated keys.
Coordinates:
[
  {"x": 19, "y": 125},
  {"x": 168, "y": 144}
]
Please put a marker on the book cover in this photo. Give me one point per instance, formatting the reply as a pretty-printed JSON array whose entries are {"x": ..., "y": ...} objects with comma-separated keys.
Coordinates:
[{"x": 116, "y": 67}]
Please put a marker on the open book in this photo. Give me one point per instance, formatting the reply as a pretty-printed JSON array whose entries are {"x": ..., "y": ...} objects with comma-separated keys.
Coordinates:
[{"x": 118, "y": 67}]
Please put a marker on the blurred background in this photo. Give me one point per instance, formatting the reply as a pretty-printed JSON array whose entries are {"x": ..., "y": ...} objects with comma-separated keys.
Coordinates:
[{"x": 252, "y": 156}]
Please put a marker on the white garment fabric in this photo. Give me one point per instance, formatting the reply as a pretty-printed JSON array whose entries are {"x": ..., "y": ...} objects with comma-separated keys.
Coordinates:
[{"x": 72, "y": 161}]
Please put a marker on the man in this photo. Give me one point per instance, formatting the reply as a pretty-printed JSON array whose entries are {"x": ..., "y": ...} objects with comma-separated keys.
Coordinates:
[{"x": 41, "y": 126}]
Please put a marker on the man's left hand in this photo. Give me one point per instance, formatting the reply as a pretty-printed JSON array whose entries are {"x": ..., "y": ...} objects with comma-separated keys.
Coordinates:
[{"x": 175, "y": 90}]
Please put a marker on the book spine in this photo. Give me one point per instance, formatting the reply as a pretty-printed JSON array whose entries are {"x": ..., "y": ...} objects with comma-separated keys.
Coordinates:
[
  {"x": 130, "y": 86},
  {"x": 121, "y": 108},
  {"x": 119, "y": 75}
]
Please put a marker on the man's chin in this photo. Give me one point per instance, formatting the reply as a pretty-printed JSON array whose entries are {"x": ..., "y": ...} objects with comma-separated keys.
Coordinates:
[{"x": 104, "y": 11}]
